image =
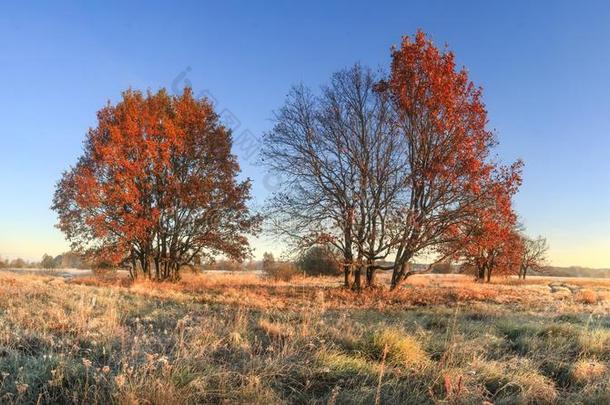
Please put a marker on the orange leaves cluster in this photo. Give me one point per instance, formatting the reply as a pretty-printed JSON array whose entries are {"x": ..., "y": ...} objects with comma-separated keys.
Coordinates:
[
  {"x": 439, "y": 104},
  {"x": 441, "y": 113},
  {"x": 156, "y": 183}
]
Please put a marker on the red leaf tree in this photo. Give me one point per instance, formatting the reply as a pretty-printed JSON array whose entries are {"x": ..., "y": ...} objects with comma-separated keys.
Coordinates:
[
  {"x": 444, "y": 123},
  {"x": 156, "y": 187},
  {"x": 488, "y": 240}
]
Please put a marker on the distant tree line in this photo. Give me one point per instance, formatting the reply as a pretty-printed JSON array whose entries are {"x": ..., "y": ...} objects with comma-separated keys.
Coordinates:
[{"x": 67, "y": 260}]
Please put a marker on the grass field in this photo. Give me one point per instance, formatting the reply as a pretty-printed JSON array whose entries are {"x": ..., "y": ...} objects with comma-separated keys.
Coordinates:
[{"x": 241, "y": 339}]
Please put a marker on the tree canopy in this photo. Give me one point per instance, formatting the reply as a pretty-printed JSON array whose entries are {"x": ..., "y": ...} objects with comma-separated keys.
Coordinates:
[{"x": 156, "y": 186}]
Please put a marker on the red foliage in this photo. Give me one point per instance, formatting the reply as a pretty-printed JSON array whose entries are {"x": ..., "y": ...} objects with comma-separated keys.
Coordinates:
[
  {"x": 156, "y": 185},
  {"x": 488, "y": 240},
  {"x": 459, "y": 197},
  {"x": 441, "y": 113}
]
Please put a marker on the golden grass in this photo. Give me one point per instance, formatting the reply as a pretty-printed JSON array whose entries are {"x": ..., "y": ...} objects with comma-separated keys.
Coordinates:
[
  {"x": 399, "y": 348},
  {"x": 588, "y": 371},
  {"x": 250, "y": 290},
  {"x": 242, "y": 339},
  {"x": 586, "y": 296},
  {"x": 517, "y": 379}
]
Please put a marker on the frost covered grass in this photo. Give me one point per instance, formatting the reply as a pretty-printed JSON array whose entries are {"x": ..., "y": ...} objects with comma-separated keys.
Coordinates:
[{"x": 242, "y": 339}]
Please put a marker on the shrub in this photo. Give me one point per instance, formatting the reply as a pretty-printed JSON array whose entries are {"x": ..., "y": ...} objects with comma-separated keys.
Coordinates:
[
  {"x": 442, "y": 268},
  {"x": 282, "y": 271},
  {"x": 318, "y": 261}
]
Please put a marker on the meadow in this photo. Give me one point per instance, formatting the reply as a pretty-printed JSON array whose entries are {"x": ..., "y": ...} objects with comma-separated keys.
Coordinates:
[{"x": 239, "y": 338}]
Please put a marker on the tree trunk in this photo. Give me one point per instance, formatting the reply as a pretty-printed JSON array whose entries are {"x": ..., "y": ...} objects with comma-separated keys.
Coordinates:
[
  {"x": 358, "y": 279},
  {"x": 370, "y": 276},
  {"x": 488, "y": 274},
  {"x": 395, "y": 272},
  {"x": 145, "y": 264},
  {"x": 157, "y": 269},
  {"x": 480, "y": 276},
  {"x": 133, "y": 270},
  {"x": 347, "y": 272},
  {"x": 371, "y": 272},
  {"x": 399, "y": 274}
]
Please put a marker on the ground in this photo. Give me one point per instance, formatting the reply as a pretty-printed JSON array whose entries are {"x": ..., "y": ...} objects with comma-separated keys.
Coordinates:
[{"x": 243, "y": 339}]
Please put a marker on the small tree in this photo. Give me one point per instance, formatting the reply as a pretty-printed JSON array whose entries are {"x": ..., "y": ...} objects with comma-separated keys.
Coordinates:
[
  {"x": 47, "y": 262},
  {"x": 268, "y": 261},
  {"x": 487, "y": 239},
  {"x": 533, "y": 254},
  {"x": 18, "y": 263},
  {"x": 319, "y": 260}
]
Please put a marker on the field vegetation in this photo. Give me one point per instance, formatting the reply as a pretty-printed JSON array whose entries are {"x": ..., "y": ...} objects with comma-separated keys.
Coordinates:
[{"x": 242, "y": 338}]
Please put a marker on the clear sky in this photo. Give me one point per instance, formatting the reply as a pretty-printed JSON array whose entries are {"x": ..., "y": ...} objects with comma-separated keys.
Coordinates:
[{"x": 544, "y": 67}]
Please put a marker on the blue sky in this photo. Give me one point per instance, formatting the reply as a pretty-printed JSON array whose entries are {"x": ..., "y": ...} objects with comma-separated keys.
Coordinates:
[{"x": 543, "y": 66}]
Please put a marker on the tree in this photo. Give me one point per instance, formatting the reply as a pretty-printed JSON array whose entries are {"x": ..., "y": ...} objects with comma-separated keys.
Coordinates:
[
  {"x": 487, "y": 239},
  {"x": 340, "y": 161},
  {"x": 156, "y": 186},
  {"x": 58, "y": 261},
  {"x": 319, "y": 260},
  {"x": 268, "y": 261},
  {"x": 533, "y": 254},
  {"x": 440, "y": 114},
  {"x": 71, "y": 260},
  {"x": 17, "y": 263},
  {"x": 47, "y": 262}
]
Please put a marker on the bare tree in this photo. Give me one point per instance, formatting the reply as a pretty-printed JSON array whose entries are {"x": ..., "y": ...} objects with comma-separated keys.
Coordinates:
[
  {"x": 340, "y": 158},
  {"x": 533, "y": 254}
]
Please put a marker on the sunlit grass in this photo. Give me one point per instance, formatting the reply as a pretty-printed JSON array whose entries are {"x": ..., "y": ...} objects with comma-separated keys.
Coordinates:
[{"x": 242, "y": 339}]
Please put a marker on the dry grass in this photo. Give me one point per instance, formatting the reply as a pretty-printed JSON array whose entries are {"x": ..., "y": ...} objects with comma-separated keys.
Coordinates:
[
  {"x": 587, "y": 296},
  {"x": 399, "y": 348},
  {"x": 588, "y": 371},
  {"x": 243, "y": 339}
]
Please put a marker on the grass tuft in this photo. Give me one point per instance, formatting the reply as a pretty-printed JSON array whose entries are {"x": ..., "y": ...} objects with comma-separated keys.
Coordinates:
[{"x": 401, "y": 349}]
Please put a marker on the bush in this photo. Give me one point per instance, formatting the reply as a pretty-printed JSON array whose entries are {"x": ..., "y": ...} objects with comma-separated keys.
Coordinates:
[
  {"x": 319, "y": 261},
  {"x": 442, "y": 268},
  {"x": 103, "y": 268},
  {"x": 282, "y": 271}
]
